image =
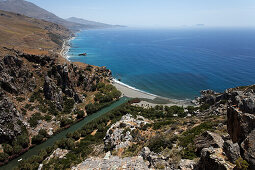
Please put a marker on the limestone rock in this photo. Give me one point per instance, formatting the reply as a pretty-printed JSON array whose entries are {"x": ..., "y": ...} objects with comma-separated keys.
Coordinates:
[
  {"x": 212, "y": 159},
  {"x": 248, "y": 146},
  {"x": 232, "y": 150},
  {"x": 8, "y": 118},
  {"x": 186, "y": 164},
  {"x": 208, "y": 139},
  {"x": 239, "y": 124}
]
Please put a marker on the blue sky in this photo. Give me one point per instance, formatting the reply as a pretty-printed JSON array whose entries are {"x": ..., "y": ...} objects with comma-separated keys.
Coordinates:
[{"x": 157, "y": 13}]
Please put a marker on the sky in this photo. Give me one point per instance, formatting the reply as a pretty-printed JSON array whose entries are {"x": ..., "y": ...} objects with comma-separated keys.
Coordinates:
[{"x": 157, "y": 13}]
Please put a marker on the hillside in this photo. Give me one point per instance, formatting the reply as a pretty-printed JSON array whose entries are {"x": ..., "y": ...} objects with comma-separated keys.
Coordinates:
[
  {"x": 31, "y": 10},
  {"x": 41, "y": 92},
  {"x": 91, "y": 24},
  {"x": 31, "y": 34}
]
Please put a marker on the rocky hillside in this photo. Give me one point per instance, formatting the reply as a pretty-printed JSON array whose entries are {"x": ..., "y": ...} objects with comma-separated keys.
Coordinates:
[
  {"x": 30, "y": 35},
  {"x": 41, "y": 92},
  {"x": 31, "y": 10},
  {"x": 216, "y": 134}
]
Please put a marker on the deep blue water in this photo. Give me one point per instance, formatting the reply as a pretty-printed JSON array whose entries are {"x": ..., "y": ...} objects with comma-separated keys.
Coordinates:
[{"x": 171, "y": 63}]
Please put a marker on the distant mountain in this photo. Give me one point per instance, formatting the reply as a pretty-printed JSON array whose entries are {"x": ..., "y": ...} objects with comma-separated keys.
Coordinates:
[
  {"x": 91, "y": 24},
  {"x": 31, "y": 10}
]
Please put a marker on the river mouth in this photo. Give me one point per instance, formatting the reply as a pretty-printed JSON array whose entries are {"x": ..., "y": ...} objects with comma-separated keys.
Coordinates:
[{"x": 35, "y": 150}]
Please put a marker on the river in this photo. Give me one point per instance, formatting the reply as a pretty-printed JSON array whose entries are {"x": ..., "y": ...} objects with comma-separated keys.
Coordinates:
[{"x": 35, "y": 150}]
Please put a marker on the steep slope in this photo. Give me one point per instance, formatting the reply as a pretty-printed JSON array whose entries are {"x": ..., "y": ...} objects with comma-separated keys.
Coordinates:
[
  {"x": 31, "y": 34},
  {"x": 41, "y": 92},
  {"x": 31, "y": 10},
  {"x": 91, "y": 24}
]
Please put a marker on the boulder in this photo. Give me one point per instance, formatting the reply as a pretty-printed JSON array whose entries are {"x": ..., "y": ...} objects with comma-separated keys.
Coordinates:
[
  {"x": 186, "y": 164},
  {"x": 248, "y": 146},
  {"x": 212, "y": 159},
  {"x": 239, "y": 124},
  {"x": 208, "y": 139},
  {"x": 9, "y": 117},
  {"x": 232, "y": 150}
]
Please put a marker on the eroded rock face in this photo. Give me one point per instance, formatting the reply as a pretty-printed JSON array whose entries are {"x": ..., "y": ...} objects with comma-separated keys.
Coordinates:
[
  {"x": 248, "y": 146},
  {"x": 186, "y": 164},
  {"x": 212, "y": 159},
  {"x": 15, "y": 77},
  {"x": 239, "y": 124},
  {"x": 232, "y": 150},
  {"x": 9, "y": 127},
  {"x": 112, "y": 162},
  {"x": 119, "y": 135},
  {"x": 208, "y": 139},
  {"x": 52, "y": 92}
]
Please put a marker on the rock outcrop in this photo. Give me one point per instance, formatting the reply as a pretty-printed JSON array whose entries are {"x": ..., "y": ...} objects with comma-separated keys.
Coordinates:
[
  {"x": 119, "y": 134},
  {"x": 232, "y": 150},
  {"x": 9, "y": 116},
  {"x": 248, "y": 146},
  {"x": 112, "y": 162},
  {"x": 208, "y": 139},
  {"x": 212, "y": 159}
]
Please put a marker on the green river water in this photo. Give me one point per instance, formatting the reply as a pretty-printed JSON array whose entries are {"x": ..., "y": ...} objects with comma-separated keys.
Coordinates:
[{"x": 35, "y": 150}]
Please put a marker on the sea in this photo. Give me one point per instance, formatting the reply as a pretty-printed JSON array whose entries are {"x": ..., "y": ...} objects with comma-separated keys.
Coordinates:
[{"x": 172, "y": 63}]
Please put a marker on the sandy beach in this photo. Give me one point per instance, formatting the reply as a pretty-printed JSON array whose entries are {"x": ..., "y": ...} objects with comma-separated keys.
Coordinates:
[{"x": 147, "y": 99}]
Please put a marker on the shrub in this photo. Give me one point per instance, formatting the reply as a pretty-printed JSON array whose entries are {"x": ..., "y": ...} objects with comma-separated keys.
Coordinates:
[
  {"x": 8, "y": 149},
  {"x": 68, "y": 105},
  {"x": 3, "y": 157},
  {"x": 43, "y": 132},
  {"x": 76, "y": 135},
  {"x": 17, "y": 149},
  {"x": 241, "y": 164},
  {"x": 33, "y": 121},
  {"x": 23, "y": 140},
  {"x": 20, "y": 99},
  {"x": 157, "y": 144},
  {"x": 65, "y": 121},
  {"x": 37, "y": 139},
  {"x": 80, "y": 114},
  {"x": 47, "y": 118}
]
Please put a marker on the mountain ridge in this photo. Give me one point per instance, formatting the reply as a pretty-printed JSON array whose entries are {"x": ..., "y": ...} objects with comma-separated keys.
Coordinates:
[{"x": 31, "y": 10}]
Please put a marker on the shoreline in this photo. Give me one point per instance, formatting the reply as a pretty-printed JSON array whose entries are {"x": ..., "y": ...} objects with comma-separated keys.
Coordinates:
[
  {"x": 147, "y": 99},
  {"x": 66, "y": 47}
]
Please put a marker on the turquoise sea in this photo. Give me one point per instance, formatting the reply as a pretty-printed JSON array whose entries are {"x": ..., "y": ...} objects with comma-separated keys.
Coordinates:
[{"x": 174, "y": 63}]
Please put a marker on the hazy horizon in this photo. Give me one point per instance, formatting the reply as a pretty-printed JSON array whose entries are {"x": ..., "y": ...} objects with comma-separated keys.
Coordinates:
[{"x": 160, "y": 13}]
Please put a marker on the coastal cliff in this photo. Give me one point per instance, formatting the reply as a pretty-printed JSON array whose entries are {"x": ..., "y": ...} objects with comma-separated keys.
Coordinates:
[{"x": 40, "y": 91}]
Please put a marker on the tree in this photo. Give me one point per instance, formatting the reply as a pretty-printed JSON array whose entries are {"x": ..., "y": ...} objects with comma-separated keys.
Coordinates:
[
  {"x": 23, "y": 140},
  {"x": 17, "y": 149},
  {"x": 8, "y": 149},
  {"x": 3, "y": 157}
]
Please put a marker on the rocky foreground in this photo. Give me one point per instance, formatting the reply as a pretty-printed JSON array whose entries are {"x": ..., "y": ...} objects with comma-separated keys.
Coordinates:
[{"x": 228, "y": 144}]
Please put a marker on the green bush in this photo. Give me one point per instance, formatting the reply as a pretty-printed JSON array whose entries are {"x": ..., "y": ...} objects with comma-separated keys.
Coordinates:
[
  {"x": 37, "y": 139},
  {"x": 241, "y": 164},
  {"x": 189, "y": 135},
  {"x": 43, "y": 132},
  {"x": 17, "y": 149},
  {"x": 3, "y": 157},
  {"x": 68, "y": 105},
  {"x": 80, "y": 114},
  {"x": 8, "y": 149},
  {"x": 65, "y": 121},
  {"x": 20, "y": 99},
  {"x": 23, "y": 140},
  {"x": 47, "y": 118},
  {"x": 33, "y": 121},
  {"x": 158, "y": 143}
]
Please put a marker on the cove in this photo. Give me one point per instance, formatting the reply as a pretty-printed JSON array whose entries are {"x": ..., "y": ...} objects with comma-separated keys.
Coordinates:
[{"x": 35, "y": 150}]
